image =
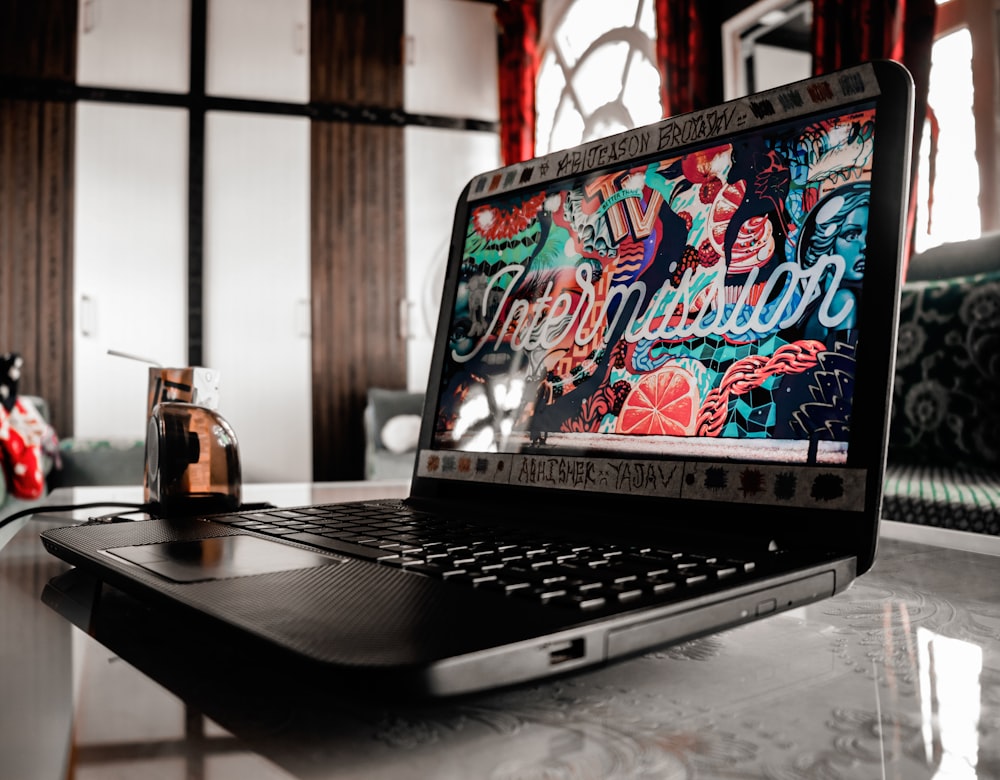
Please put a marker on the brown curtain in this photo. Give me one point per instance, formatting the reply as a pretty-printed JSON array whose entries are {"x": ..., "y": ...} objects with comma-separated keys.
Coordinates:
[
  {"x": 518, "y": 22},
  {"x": 901, "y": 30}
]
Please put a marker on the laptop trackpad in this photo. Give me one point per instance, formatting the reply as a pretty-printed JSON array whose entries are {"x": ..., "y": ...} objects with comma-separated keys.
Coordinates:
[{"x": 219, "y": 557}]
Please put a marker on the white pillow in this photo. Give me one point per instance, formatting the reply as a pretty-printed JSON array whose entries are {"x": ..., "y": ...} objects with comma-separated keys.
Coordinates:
[{"x": 400, "y": 433}]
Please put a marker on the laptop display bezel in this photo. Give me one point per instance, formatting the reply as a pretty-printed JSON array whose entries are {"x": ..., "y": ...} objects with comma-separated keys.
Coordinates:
[{"x": 878, "y": 311}]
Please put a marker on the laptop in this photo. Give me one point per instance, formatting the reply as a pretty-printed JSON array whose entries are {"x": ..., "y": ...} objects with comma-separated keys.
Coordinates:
[{"x": 657, "y": 408}]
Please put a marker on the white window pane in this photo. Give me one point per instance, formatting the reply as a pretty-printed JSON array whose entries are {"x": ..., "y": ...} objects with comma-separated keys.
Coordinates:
[
  {"x": 567, "y": 130},
  {"x": 587, "y": 20},
  {"x": 598, "y": 74},
  {"x": 551, "y": 83},
  {"x": 642, "y": 93},
  {"x": 647, "y": 19},
  {"x": 955, "y": 212},
  {"x": 598, "y": 79}
]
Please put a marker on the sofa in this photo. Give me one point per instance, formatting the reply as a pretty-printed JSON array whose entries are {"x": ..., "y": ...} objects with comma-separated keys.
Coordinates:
[
  {"x": 392, "y": 423},
  {"x": 944, "y": 443}
]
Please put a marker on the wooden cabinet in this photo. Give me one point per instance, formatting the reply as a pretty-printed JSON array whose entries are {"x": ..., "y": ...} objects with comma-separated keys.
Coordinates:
[
  {"x": 258, "y": 49},
  {"x": 130, "y": 269},
  {"x": 451, "y": 59},
  {"x": 131, "y": 222},
  {"x": 256, "y": 304},
  {"x": 135, "y": 44},
  {"x": 439, "y": 163},
  {"x": 451, "y": 71}
]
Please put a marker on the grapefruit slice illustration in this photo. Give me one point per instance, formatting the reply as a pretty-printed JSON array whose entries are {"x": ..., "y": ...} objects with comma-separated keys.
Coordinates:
[{"x": 665, "y": 402}]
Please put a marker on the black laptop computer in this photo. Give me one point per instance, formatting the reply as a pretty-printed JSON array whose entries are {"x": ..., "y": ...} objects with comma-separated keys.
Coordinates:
[{"x": 657, "y": 407}]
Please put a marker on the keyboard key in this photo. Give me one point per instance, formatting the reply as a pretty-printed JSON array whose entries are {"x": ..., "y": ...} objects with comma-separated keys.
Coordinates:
[
  {"x": 400, "y": 560},
  {"x": 507, "y": 587},
  {"x": 629, "y": 594},
  {"x": 426, "y": 568},
  {"x": 581, "y": 601},
  {"x": 558, "y": 572},
  {"x": 288, "y": 514},
  {"x": 336, "y": 545},
  {"x": 659, "y": 588}
]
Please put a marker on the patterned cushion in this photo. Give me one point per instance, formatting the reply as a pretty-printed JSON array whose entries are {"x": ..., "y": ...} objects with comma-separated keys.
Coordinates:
[
  {"x": 946, "y": 399},
  {"x": 960, "y": 499}
]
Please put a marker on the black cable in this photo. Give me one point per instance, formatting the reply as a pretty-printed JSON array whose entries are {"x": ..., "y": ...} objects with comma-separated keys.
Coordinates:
[{"x": 45, "y": 508}]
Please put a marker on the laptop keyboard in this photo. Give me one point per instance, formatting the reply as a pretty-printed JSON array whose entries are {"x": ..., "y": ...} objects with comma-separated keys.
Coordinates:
[{"x": 553, "y": 571}]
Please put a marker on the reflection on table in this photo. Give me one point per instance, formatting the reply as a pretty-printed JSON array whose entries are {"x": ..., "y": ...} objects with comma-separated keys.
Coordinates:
[{"x": 897, "y": 677}]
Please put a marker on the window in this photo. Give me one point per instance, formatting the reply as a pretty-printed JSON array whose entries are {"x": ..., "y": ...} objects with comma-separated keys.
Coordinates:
[
  {"x": 598, "y": 74},
  {"x": 965, "y": 199},
  {"x": 948, "y": 205}
]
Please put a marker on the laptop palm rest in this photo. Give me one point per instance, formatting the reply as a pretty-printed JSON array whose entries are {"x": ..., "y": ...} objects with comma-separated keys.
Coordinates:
[{"x": 219, "y": 557}]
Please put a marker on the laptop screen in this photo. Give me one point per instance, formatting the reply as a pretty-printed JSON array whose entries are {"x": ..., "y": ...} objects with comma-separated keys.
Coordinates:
[{"x": 667, "y": 311}]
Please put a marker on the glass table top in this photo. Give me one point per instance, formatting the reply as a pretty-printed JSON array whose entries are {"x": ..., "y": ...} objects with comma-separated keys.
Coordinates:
[{"x": 899, "y": 677}]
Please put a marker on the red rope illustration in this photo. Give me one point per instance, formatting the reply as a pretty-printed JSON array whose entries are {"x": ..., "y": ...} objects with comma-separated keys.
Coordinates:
[{"x": 751, "y": 372}]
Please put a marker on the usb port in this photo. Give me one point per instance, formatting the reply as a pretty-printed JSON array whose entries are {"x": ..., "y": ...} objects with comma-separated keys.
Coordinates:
[{"x": 561, "y": 652}]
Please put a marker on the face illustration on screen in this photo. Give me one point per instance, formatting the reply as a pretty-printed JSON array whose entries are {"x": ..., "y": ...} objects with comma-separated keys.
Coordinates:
[{"x": 704, "y": 300}]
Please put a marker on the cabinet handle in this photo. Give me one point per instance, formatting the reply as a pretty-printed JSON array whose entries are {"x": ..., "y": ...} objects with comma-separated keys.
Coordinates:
[
  {"x": 88, "y": 316},
  {"x": 299, "y": 38},
  {"x": 89, "y": 15},
  {"x": 405, "y": 330},
  {"x": 303, "y": 318}
]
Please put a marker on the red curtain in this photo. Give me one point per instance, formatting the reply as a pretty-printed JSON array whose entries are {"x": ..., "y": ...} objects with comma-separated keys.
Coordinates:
[
  {"x": 689, "y": 51},
  {"x": 518, "y": 22},
  {"x": 679, "y": 47},
  {"x": 901, "y": 30}
]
